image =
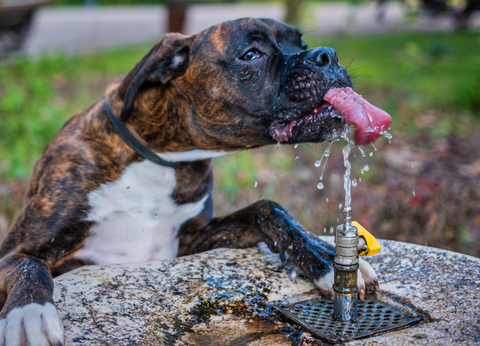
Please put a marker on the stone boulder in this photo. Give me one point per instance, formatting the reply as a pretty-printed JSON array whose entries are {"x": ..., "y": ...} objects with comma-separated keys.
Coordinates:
[{"x": 228, "y": 297}]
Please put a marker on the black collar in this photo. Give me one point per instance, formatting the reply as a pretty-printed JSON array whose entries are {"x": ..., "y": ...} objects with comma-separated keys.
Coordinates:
[{"x": 134, "y": 142}]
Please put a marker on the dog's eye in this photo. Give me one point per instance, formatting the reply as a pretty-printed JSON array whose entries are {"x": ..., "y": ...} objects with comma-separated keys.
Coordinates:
[{"x": 251, "y": 55}]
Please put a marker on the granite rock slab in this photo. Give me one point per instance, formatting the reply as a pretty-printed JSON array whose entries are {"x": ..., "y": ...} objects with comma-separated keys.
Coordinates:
[{"x": 228, "y": 297}]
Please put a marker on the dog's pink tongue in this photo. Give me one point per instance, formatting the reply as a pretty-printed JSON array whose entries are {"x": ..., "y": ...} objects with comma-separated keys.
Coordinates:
[{"x": 369, "y": 121}]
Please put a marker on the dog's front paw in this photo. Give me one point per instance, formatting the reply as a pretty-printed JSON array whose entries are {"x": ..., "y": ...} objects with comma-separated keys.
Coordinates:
[
  {"x": 366, "y": 280},
  {"x": 32, "y": 325}
]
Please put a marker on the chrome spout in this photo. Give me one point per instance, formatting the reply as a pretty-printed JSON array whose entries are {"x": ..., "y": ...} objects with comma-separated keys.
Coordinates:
[{"x": 345, "y": 289}]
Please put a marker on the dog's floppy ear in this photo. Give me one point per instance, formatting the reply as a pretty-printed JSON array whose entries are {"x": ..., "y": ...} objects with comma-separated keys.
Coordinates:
[{"x": 166, "y": 60}]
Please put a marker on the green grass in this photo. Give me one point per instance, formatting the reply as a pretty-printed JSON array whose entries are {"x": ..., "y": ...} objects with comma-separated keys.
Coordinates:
[
  {"x": 403, "y": 73},
  {"x": 429, "y": 83},
  {"x": 424, "y": 70},
  {"x": 38, "y": 96}
]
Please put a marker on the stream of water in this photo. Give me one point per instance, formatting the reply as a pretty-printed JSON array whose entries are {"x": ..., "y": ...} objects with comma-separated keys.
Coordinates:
[{"x": 346, "y": 150}]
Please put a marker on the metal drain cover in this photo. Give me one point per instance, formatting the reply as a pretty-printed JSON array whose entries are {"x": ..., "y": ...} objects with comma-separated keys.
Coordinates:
[{"x": 374, "y": 316}]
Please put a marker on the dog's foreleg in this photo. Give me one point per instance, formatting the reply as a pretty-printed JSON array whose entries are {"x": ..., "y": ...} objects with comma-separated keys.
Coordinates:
[
  {"x": 28, "y": 316},
  {"x": 267, "y": 221}
]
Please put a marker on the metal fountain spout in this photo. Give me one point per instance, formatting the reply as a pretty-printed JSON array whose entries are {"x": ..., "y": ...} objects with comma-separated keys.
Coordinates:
[
  {"x": 346, "y": 318},
  {"x": 351, "y": 240}
]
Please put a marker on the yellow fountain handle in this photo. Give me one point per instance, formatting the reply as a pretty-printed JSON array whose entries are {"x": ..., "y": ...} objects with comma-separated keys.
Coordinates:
[{"x": 373, "y": 247}]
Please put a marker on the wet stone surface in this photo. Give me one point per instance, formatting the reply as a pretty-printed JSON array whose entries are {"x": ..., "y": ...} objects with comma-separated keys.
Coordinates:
[{"x": 227, "y": 297}]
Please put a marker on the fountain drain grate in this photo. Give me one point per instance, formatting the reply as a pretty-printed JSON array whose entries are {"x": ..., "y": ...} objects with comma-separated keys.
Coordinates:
[{"x": 374, "y": 316}]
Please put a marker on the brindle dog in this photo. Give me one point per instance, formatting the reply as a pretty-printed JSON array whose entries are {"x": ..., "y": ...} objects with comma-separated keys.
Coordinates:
[{"x": 93, "y": 199}]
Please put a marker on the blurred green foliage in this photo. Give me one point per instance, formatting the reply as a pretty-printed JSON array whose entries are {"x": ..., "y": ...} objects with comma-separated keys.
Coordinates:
[
  {"x": 428, "y": 82},
  {"x": 401, "y": 72},
  {"x": 38, "y": 96},
  {"x": 425, "y": 70}
]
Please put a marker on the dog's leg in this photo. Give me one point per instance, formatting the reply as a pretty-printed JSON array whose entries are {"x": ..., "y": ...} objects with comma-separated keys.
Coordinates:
[
  {"x": 28, "y": 316},
  {"x": 267, "y": 221}
]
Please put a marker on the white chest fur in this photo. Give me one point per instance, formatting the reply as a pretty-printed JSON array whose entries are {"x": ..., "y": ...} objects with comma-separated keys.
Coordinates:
[{"x": 135, "y": 218}]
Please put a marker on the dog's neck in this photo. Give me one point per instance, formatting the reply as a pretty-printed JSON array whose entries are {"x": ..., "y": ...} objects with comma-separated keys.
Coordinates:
[{"x": 161, "y": 116}]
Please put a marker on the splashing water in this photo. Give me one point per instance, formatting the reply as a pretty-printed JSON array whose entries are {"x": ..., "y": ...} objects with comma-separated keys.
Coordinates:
[
  {"x": 387, "y": 136},
  {"x": 366, "y": 168},
  {"x": 374, "y": 147},
  {"x": 347, "y": 183},
  {"x": 362, "y": 151},
  {"x": 326, "y": 155}
]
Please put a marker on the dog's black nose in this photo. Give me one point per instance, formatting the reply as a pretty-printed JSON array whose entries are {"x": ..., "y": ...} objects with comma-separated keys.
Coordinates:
[{"x": 324, "y": 56}]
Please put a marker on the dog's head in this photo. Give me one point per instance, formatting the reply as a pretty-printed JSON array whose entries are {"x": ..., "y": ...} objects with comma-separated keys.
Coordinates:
[{"x": 243, "y": 83}]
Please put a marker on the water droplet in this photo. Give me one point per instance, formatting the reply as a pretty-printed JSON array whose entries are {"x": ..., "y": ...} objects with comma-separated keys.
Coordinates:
[
  {"x": 340, "y": 206},
  {"x": 412, "y": 165},
  {"x": 361, "y": 171},
  {"x": 354, "y": 182},
  {"x": 374, "y": 147},
  {"x": 366, "y": 168},
  {"x": 320, "y": 186},
  {"x": 295, "y": 146},
  {"x": 387, "y": 136},
  {"x": 327, "y": 199},
  {"x": 360, "y": 179},
  {"x": 297, "y": 157},
  {"x": 362, "y": 151},
  {"x": 325, "y": 230},
  {"x": 318, "y": 163},
  {"x": 413, "y": 192},
  {"x": 371, "y": 154},
  {"x": 327, "y": 152},
  {"x": 277, "y": 146},
  {"x": 331, "y": 230},
  {"x": 274, "y": 175},
  {"x": 256, "y": 184}
]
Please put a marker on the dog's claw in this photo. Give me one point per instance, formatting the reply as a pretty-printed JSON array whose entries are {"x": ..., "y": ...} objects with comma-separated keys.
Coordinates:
[
  {"x": 366, "y": 280},
  {"x": 361, "y": 293}
]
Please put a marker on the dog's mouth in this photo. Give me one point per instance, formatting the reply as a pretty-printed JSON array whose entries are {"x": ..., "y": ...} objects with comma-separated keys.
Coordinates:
[
  {"x": 340, "y": 107},
  {"x": 324, "y": 123}
]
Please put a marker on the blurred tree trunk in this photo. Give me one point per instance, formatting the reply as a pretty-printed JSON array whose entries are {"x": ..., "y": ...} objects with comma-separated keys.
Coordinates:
[{"x": 293, "y": 9}]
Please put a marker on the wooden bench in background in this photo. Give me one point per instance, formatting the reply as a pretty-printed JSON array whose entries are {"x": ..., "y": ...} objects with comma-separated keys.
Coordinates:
[{"x": 15, "y": 19}]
